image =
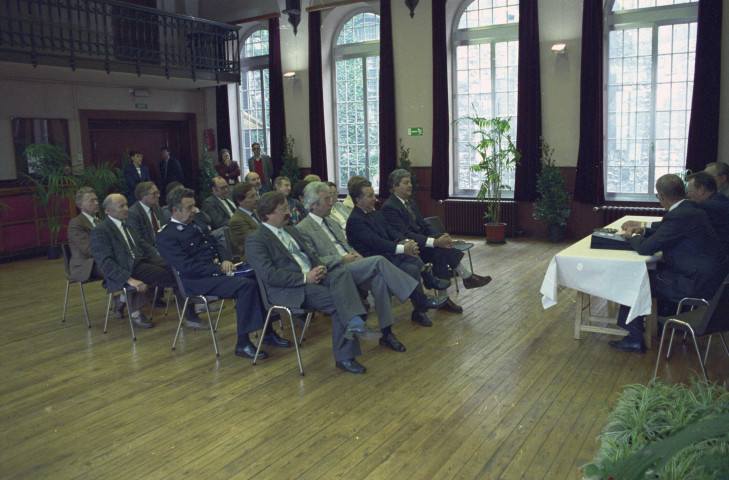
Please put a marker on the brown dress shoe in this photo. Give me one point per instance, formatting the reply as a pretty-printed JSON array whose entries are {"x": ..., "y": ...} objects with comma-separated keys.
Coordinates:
[
  {"x": 475, "y": 281},
  {"x": 140, "y": 321},
  {"x": 451, "y": 306},
  {"x": 118, "y": 307}
]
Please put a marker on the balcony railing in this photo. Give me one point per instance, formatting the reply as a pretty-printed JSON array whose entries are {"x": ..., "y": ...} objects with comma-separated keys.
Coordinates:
[{"x": 114, "y": 36}]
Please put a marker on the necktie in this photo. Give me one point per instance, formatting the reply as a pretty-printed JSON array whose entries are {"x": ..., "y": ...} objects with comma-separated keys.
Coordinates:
[
  {"x": 96, "y": 221},
  {"x": 132, "y": 245},
  {"x": 294, "y": 249},
  {"x": 335, "y": 240},
  {"x": 230, "y": 207},
  {"x": 410, "y": 210},
  {"x": 155, "y": 225},
  {"x": 254, "y": 215}
]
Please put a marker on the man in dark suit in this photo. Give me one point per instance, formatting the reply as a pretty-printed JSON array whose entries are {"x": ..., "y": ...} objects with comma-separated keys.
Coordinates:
[
  {"x": 720, "y": 172},
  {"x": 145, "y": 216},
  {"x": 263, "y": 166},
  {"x": 134, "y": 174},
  {"x": 702, "y": 190},
  {"x": 170, "y": 169},
  {"x": 203, "y": 266},
  {"x": 403, "y": 215},
  {"x": 295, "y": 276},
  {"x": 125, "y": 258},
  {"x": 375, "y": 273},
  {"x": 243, "y": 222},
  {"x": 218, "y": 207},
  {"x": 369, "y": 234},
  {"x": 694, "y": 262}
]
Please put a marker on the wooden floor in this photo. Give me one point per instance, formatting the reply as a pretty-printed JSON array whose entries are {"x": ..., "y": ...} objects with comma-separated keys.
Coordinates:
[{"x": 500, "y": 392}]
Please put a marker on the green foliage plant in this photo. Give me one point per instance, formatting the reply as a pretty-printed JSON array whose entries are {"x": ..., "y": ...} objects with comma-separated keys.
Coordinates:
[
  {"x": 207, "y": 173},
  {"x": 290, "y": 167},
  {"x": 553, "y": 204},
  {"x": 498, "y": 155},
  {"x": 103, "y": 178},
  {"x": 405, "y": 163},
  {"x": 50, "y": 168},
  {"x": 666, "y": 432}
]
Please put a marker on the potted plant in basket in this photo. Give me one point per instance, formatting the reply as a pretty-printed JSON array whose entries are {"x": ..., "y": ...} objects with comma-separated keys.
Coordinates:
[
  {"x": 498, "y": 155},
  {"x": 552, "y": 208},
  {"x": 50, "y": 174}
]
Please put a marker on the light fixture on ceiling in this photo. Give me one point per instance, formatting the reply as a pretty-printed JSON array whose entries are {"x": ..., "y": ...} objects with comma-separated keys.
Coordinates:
[
  {"x": 290, "y": 75},
  {"x": 411, "y": 4},
  {"x": 559, "y": 48},
  {"x": 293, "y": 9}
]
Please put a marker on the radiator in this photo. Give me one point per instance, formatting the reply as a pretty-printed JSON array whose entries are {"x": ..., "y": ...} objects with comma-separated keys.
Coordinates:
[
  {"x": 612, "y": 213},
  {"x": 465, "y": 217}
]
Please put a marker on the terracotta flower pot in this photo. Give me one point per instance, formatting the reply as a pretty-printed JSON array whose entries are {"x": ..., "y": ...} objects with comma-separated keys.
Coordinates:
[{"x": 496, "y": 233}]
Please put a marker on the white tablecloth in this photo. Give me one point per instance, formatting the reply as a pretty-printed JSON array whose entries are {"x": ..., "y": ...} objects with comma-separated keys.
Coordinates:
[{"x": 617, "y": 275}]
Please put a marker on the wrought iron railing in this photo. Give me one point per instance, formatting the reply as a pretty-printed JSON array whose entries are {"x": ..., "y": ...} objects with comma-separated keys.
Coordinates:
[{"x": 115, "y": 36}]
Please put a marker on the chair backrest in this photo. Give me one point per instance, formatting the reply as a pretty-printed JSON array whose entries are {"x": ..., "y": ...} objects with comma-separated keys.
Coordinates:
[
  {"x": 66, "y": 249},
  {"x": 436, "y": 224},
  {"x": 179, "y": 283},
  {"x": 223, "y": 236},
  {"x": 264, "y": 293},
  {"x": 717, "y": 315}
]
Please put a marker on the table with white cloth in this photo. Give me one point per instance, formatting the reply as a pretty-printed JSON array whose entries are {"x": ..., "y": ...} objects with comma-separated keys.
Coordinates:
[{"x": 619, "y": 276}]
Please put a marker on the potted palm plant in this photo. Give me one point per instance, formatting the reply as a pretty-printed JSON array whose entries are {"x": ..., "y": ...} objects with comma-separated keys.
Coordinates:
[
  {"x": 552, "y": 208},
  {"x": 498, "y": 155},
  {"x": 50, "y": 174}
]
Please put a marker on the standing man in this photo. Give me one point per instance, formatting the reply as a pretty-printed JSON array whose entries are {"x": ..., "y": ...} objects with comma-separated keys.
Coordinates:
[
  {"x": 255, "y": 180},
  {"x": 720, "y": 172},
  {"x": 262, "y": 165},
  {"x": 295, "y": 276},
  {"x": 170, "y": 169},
  {"x": 369, "y": 234},
  {"x": 375, "y": 273},
  {"x": 244, "y": 221},
  {"x": 203, "y": 266},
  {"x": 146, "y": 216},
  {"x": 134, "y": 174},
  {"x": 218, "y": 207}
]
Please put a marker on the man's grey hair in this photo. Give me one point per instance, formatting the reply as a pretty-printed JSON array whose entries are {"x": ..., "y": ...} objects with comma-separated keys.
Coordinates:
[
  {"x": 394, "y": 179},
  {"x": 142, "y": 189},
  {"x": 671, "y": 186},
  {"x": 174, "y": 198},
  {"x": 312, "y": 193},
  {"x": 81, "y": 192}
]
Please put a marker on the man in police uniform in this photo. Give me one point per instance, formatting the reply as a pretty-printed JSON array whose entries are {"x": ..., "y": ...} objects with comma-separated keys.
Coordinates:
[{"x": 204, "y": 265}]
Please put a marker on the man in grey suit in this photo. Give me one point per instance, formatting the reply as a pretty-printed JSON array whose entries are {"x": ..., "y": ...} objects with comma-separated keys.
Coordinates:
[
  {"x": 145, "y": 216},
  {"x": 263, "y": 166},
  {"x": 375, "y": 273},
  {"x": 296, "y": 276},
  {"x": 218, "y": 206}
]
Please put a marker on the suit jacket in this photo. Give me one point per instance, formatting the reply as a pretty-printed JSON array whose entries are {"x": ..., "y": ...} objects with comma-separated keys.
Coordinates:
[
  {"x": 139, "y": 221},
  {"x": 241, "y": 225},
  {"x": 695, "y": 263},
  {"x": 400, "y": 220},
  {"x": 267, "y": 169},
  {"x": 276, "y": 267},
  {"x": 717, "y": 209},
  {"x": 132, "y": 179},
  {"x": 82, "y": 260},
  {"x": 172, "y": 172},
  {"x": 318, "y": 241},
  {"x": 369, "y": 234},
  {"x": 112, "y": 254},
  {"x": 218, "y": 213},
  {"x": 724, "y": 190},
  {"x": 192, "y": 251}
]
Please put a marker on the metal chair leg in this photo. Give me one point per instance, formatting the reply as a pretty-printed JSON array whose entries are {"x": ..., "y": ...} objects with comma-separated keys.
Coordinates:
[
  {"x": 260, "y": 340},
  {"x": 169, "y": 297},
  {"x": 222, "y": 304},
  {"x": 658, "y": 358},
  {"x": 708, "y": 345},
  {"x": 129, "y": 313},
  {"x": 179, "y": 323},
  {"x": 83, "y": 300},
  {"x": 65, "y": 302},
  {"x": 670, "y": 343},
  {"x": 698, "y": 354},
  {"x": 108, "y": 309},
  {"x": 210, "y": 323},
  {"x": 306, "y": 327},
  {"x": 296, "y": 345},
  {"x": 724, "y": 342}
]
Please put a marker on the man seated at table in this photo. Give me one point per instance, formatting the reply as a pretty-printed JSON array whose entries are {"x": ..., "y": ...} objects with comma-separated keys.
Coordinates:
[
  {"x": 720, "y": 172},
  {"x": 375, "y": 273},
  {"x": 403, "y": 215},
  {"x": 369, "y": 234},
  {"x": 694, "y": 262}
]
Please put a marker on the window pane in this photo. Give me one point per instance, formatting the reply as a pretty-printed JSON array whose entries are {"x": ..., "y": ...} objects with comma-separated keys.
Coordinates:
[
  {"x": 487, "y": 13},
  {"x": 254, "y": 111},
  {"x": 364, "y": 27},
  {"x": 256, "y": 44}
]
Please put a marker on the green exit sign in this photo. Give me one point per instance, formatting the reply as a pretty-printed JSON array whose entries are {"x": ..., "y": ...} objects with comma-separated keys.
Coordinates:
[
  {"x": 143, "y": 106},
  {"x": 415, "y": 131}
]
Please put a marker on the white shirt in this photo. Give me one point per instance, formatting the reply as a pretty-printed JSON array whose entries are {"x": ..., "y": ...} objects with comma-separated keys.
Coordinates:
[
  {"x": 280, "y": 232},
  {"x": 119, "y": 225},
  {"x": 150, "y": 212},
  {"x": 227, "y": 204},
  {"x": 90, "y": 218}
]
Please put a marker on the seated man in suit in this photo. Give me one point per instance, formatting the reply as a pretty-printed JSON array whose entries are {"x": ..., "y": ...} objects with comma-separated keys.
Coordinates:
[
  {"x": 694, "y": 262},
  {"x": 135, "y": 173},
  {"x": 201, "y": 218},
  {"x": 375, "y": 273},
  {"x": 402, "y": 213},
  {"x": 145, "y": 216},
  {"x": 702, "y": 190},
  {"x": 255, "y": 180},
  {"x": 82, "y": 266},
  {"x": 203, "y": 266},
  {"x": 720, "y": 172},
  {"x": 295, "y": 276},
  {"x": 125, "y": 258},
  {"x": 218, "y": 207},
  {"x": 243, "y": 222},
  {"x": 369, "y": 234}
]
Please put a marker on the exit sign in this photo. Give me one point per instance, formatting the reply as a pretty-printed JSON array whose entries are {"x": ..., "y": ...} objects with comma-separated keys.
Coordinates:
[
  {"x": 415, "y": 131},
  {"x": 143, "y": 106}
]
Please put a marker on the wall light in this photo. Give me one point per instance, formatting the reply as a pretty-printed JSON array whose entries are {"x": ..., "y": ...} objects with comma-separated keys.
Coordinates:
[
  {"x": 290, "y": 75},
  {"x": 559, "y": 48}
]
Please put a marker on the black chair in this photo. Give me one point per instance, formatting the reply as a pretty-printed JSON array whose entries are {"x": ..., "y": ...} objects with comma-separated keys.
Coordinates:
[
  {"x": 270, "y": 307},
  {"x": 705, "y": 319},
  {"x": 66, "y": 249},
  {"x": 127, "y": 289},
  {"x": 197, "y": 300},
  {"x": 457, "y": 244}
]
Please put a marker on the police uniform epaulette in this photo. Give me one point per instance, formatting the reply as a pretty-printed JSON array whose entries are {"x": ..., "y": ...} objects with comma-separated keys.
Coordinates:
[{"x": 163, "y": 227}]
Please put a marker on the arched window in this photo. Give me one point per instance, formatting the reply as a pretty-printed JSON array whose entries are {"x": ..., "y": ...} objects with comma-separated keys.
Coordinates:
[
  {"x": 650, "y": 73},
  {"x": 254, "y": 94},
  {"x": 356, "y": 98},
  {"x": 486, "y": 56}
]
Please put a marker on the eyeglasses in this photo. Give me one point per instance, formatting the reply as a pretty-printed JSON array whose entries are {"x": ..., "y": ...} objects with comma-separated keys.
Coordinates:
[{"x": 283, "y": 209}]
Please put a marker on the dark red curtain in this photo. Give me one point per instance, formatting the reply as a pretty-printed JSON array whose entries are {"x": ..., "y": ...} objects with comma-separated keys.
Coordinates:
[
  {"x": 388, "y": 131},
  {"x": 317, "y": 137},
  {"x": 276, "y": 95},
  {"x": 441, "y": 124},
  {"x": 529, "y": 109},
  {"x": 589, "y": 185},
  {"x": 222, "y": 116},
  {"x": 703, "y": 138}
]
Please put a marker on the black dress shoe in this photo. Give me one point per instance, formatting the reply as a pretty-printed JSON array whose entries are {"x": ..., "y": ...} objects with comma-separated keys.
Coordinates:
[
  {"x": 272, "y": 338},
  {"x": 628, "y": 346},
  {"x": 140, "y": 321},
  {"x": 421, "y": 318},
  {"x": 475, "y": 281},
  {"x": 432, "y": 282},
  {"x": 350, "y": 366},
  {"x": 249, "y": 351},
  {"x": 118, "y": 307},
  {"x": 390, "y": 341},
  {"x": 159, "y": 303},
  {"x": 450, "y": 306},
  {"x": 362, "y": 332},
  {"x": 435, "y": 302}
]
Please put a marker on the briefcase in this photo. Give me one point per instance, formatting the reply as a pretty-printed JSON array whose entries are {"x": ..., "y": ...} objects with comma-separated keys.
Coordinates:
[{"x": 609, "y": 241}]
